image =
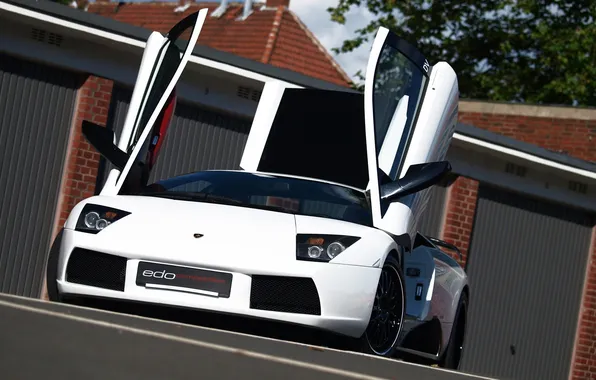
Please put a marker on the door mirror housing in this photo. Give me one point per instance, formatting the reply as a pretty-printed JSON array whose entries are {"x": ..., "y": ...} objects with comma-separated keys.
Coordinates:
[
  {"x": 418, "y": 177},
  {"x": 103, "y": 139}
]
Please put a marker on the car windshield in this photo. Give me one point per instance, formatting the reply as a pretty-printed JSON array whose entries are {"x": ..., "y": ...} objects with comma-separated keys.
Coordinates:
[
  {"x": 399, "y": 85},
  {"x": 276, "y": 193}
]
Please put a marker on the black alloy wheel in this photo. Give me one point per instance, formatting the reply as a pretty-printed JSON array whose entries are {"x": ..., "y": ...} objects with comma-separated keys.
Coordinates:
[
  {"x": 388, "y": 311},
  {"x": 452, "y": 356}
]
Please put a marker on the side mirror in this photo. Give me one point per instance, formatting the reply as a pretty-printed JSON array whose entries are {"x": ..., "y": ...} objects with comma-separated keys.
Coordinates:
[
  {"x": 103, "y": 140},
  {"x": 418, "y": 177}
]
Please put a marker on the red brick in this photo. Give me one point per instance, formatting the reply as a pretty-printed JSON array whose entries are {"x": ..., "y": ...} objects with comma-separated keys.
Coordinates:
[
  {"x": 460, "y": 213},
  {"x": 584, "y": 365},
  {"x": 273, "y": 35},
  {"x": 575, "y": 137},
  {"x": 83, "y": 160}
]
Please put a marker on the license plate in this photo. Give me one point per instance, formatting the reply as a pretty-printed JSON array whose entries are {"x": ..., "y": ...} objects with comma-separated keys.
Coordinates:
[{"x": 172, "y": 277}]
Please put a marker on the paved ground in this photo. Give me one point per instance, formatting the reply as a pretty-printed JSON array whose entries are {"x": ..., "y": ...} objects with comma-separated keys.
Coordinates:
[{"x": 42, "y": 340}]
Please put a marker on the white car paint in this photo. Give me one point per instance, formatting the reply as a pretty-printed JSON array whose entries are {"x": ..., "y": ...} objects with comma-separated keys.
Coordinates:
[
  {"x": 345, "y": 304},
  {"x": 246, "y": 241}
]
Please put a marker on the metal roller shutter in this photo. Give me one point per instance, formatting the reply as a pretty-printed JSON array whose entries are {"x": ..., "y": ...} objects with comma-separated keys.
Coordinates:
[
  {"x": 36, "y": 111},
  {"x": 198, "y": 138},
  {"x": 526, "y": 268}
]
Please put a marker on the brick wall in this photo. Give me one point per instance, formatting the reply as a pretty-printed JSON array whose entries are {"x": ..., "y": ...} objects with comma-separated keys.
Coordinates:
[
  {"x": 565, "y": 130},
  {"x": 561, "y": 133},
  {"x": 82, "y": 159},
  {"x": 459, "y": 215},
  {"x": 584, "y": 357}
]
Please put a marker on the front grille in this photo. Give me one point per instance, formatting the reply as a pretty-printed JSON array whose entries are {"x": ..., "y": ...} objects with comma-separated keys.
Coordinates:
[
  {"x": 285, "y": 294},
  {"x": 92, "y": 268}
]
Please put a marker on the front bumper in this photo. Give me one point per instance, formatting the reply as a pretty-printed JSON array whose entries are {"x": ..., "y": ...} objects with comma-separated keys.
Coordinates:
[{"x": 345, "y": 292}]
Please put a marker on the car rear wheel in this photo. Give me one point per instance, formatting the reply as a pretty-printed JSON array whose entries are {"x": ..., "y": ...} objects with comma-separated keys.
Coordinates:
[
  {"x": 385, "y": 324},
  {"x": 452, "y": 356}
]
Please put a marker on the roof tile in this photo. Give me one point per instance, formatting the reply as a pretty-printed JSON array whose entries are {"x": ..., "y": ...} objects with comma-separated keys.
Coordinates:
[{"x": 274, "y": 36}]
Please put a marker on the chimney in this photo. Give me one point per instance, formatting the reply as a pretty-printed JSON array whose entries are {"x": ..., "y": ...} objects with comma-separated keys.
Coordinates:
[
  {"x": 277, "y": 3},
  {"x": 223, "y": 7},
  {"x": 247, "y": 10}
]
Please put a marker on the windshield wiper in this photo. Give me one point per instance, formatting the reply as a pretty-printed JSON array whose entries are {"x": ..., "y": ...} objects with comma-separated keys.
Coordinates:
[
  {"x": 271, "y": 208},
  {"x": 194, "y": 196},
  {"x": 222, "y": 199},
  {"x": 171, "y": 195}
]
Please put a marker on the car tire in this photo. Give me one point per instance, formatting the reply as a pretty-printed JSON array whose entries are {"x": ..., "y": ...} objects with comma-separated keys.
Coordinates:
[
  {"x": 52, "y": 270},
  {"x": 452, "y": 357},
  {"x": 386, "y": 313}
]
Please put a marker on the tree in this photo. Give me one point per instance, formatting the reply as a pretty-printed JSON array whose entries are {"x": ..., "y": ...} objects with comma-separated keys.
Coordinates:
[{"x": 535, "y": 51}]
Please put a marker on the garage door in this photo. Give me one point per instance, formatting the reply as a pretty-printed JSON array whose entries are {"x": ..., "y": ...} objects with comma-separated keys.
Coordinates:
[
  {"x": 526, "y": 267},
  {"x": 36, "y": 110},
  {"x": 431, "y": 222},
  {"x": 198, "y": 139}
]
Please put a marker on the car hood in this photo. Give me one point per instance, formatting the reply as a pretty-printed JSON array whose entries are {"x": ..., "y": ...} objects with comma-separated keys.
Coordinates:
[{"x": 159, "y": 228}]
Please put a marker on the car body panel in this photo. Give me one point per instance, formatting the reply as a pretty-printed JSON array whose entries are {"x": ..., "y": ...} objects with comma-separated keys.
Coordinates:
[
  {"x": 345, "y": 309},
  {"x": 329, "y": 137},
  {"x": 239, "y": 240},
  {"x": 162, "y": 230},
  {"x": 442, "y": 281},
  {"x": 370, "y": 251}
]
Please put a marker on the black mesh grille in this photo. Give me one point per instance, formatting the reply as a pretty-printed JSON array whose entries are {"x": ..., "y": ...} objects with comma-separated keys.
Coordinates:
[
  {"x": 96, "y": 269},
  {"x": 285, "y": 294}
]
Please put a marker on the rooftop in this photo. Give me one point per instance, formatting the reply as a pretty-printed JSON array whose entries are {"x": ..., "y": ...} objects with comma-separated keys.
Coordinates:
[{"x": 271, "y": 33}]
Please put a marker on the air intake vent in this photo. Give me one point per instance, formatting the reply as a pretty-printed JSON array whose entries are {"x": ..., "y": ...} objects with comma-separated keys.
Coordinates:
[
  {"x": 97, "y": 269},
  {"x": 516, "y": 170},
  {"x": 285, "y": 294},
  {"x": 248, "y": 93},
  {"x": 243, "y": 92},
  {"x": 255, "y": 96},
  {"x": 55, "y": 39},
  {"x": 578, "y": 187},
  {"x": 41, "y": 35},
  {"x": 38, "y": 34}
]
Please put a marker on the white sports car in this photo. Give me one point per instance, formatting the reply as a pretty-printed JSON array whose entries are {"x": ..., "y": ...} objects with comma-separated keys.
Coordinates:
[{"x": 317, "y": 229}]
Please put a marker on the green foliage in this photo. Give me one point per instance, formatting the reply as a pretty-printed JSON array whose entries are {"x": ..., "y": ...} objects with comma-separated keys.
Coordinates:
[{"x": 535, "y": 51}]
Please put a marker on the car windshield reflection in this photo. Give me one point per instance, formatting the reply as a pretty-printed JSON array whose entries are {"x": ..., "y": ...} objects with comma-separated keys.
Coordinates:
[
  {"x": 275, "y": 193},
  {"x": 398, "y": 89}
]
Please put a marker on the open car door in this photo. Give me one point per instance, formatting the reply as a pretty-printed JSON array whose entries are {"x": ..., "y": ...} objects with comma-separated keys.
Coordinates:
[
  {"x": 151, "y": 108},
  {"x": 403, "y": 123},
  {"x": 310, "y": 133},
  {"x": 410, "y": 116}
]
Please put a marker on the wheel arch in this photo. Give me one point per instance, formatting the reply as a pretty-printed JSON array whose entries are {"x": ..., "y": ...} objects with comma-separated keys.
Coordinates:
[
  {"x": 465, "y": 292},
  {"x": 396, "y": 255}
]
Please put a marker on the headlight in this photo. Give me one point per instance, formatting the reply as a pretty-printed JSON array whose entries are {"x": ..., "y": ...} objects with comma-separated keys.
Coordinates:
[
  {"x": 95, "y": 218},
  {"x": 322, "y": 247}
]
